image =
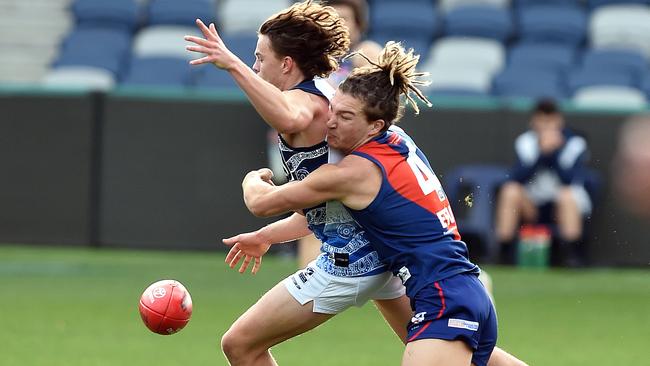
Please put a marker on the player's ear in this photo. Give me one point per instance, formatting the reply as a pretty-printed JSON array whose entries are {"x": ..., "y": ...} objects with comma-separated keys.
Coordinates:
[
  {"x": 376, "y": 126},
  {"x": 287, "y": 64}
]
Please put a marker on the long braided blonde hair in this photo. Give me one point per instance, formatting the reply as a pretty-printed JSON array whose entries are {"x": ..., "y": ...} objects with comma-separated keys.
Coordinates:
[{"x": 381, "y": 84}]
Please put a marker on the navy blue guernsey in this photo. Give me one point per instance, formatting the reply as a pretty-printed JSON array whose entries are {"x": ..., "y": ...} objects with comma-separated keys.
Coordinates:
[
  {"x": 410, "y": 222},
  {"x": 345, "y": 251}
]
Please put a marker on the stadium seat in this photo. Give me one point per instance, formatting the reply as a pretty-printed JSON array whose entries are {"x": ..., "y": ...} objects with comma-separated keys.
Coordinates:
[
  {"x": 557, "y": 57},
  {"x": 114, "y": 13},
  {"x": 419, "y": 45},
  {"x": 479, "y": 21},
  {"x": 627, "y": 61},
  {"x": 449, "y": 79},
  {"x": 645, "y": 85},
  {"x": 523, "y": 82},
  {"x": 468, "y": 53},
  {"x": 164, "y": 41},
  {"x": 91, "y": 78},
  {"x": 159, "y": 71},
  {"x": 404, "y": 20},
  {"x": 548, "y": 23},
  {"x": 580, "y": 78},
  {"x": 596, "y": 97},
  {"x": 621, "y": 27},
  {"x": 96, "y": 47},
  {"x": 449, "y": 5},
  {"x": 238, "y": 16},
  {"x": 161, "y": 12},
  {"x": 596, "y": 3},
  {"x": 525, "y": 3},
  {"x": 209, "y": 77},
  {"x": 480, "y": 183}
]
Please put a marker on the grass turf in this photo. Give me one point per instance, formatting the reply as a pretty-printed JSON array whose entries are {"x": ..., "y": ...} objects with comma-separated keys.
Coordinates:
[{"x": 70, "y": 306}]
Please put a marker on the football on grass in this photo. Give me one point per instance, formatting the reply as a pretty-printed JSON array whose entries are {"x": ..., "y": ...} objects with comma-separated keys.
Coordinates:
[{"x": 165, "y": 307}]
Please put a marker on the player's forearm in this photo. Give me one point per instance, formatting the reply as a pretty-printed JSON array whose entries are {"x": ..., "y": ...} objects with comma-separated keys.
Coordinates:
[
  {"x": 271, "y": 104},
  {"x": 257, "y": 196},
  {"x": 291, "y": 228}
]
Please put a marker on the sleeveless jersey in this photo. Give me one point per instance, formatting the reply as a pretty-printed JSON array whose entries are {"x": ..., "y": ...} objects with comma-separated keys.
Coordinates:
[
  {"x": 345, "y": 250},
  {"x": 410, "y": 222}
]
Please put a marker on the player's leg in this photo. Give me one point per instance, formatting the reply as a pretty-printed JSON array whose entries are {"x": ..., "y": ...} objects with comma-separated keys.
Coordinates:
[
  {"x": 500, "y": 357},
  {"x": 397, "y": 313},
  {"x": 308, "y": 250},
  {"x": 571, "y": 203},
  {"x": 513, "y": 206},
  {"x": 276, "y": 317},
  {"x": 569, "y": 217},
  {"x": 437, "y": 352}
]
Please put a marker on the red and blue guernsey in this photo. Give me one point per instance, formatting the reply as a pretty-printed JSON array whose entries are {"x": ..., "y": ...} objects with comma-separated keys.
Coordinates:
[{"x": 410, "y": 222}]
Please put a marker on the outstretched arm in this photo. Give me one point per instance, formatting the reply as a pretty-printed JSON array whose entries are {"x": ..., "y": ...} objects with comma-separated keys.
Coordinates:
[
  {"x": 253, "y": 245},
  {"x": 287, "y": 112}
]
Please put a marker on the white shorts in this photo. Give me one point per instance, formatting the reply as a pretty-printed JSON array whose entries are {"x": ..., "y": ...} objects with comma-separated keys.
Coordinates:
[{"x": 333, "y": 294}]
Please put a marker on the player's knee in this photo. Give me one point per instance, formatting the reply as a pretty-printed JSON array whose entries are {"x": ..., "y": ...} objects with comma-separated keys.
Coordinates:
[
  {"x": 511, "y": 191},
  {"x": 233, "y": 346},
  {"x": 565, "y": 196}
]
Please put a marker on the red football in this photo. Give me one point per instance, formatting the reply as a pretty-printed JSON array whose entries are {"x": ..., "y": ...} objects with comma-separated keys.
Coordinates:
[{"x": 165, "y": 307}]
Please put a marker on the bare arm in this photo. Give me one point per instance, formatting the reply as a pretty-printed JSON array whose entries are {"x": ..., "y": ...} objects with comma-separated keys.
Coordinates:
[
  {"x": 354, "y": 181},
  {"x": 255, "y": 244},
  {"x": 287, "y": 112}
]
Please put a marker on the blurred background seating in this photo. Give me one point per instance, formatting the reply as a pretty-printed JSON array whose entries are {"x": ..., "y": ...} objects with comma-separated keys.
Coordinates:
[{"x": 472, "y": 47}]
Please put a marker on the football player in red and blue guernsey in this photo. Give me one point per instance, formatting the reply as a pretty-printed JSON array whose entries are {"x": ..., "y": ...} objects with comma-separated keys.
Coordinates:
[{"x": 387, "y": 185}]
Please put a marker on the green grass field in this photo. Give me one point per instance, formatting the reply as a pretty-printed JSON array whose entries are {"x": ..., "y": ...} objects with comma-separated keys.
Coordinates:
[{"x": 79, "y": 307}]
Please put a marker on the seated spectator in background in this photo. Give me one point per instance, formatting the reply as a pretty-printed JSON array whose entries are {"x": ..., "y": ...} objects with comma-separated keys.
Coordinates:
[
  {"x": 355, "y": 15},
  {"x": 632, "y": 166},
  {"x": 546, "y": 185}
]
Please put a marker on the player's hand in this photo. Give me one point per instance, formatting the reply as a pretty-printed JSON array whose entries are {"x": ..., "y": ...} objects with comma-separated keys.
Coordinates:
[
  {"x": 249, "y": 246},
  {"x": 212, "y": 47},
  {"x": 550, "y": 140},
  {"x": 264, "y": 174}
]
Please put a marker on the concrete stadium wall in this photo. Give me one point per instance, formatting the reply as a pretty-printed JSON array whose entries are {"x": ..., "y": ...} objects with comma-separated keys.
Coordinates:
[{"x": 122, "y": 171}]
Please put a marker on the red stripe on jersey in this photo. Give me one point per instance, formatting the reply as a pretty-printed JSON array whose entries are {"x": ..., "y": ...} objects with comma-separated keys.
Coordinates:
[{"x": 401, "y": 177}]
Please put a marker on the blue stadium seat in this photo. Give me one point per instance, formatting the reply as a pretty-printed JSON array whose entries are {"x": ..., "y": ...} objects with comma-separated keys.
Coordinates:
[
  {"x": 645, "y": 85},
  {"x": 404, "y": 20},
  {"x": 596, "y": 3},
  {"x": 420, "y": 46},
  {"x": 525, "y": 3},
  {"x": 210, "y": 77},
  {"x": 181, "y": 12},
  {"x": 556, "y": 57},
  {"x": 481, "y": 183},
  {"x": 557, "y": 24},
  {"x": 96, "y": 47},
  {"x": 529, "y": 83},
  {"x": 591, "y": 77},
  {"x": 242, "y": 45},
  {"x": 627, "y": 61},
  {"x": 479, "y": 21},
  {"x": 113, "y": 13},
  {"x": 101, "y": 38},
  {"x": 159, "y": 71}
]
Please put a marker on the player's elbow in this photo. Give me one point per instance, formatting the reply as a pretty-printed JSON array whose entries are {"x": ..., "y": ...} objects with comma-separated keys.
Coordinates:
[{"x": 259, "y": 208}]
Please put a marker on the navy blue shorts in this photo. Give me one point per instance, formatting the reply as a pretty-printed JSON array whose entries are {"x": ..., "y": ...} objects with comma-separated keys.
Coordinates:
[{"x": 456, "y": 308}]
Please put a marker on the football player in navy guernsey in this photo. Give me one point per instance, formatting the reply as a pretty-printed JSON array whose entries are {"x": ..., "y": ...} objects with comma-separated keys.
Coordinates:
[
  {"x": 386, "y": 184},
  {"x": 294, "y": 46}
]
